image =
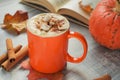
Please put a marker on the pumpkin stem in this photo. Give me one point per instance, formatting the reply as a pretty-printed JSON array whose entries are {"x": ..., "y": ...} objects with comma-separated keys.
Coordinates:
[{"x": 118, "y": 6}]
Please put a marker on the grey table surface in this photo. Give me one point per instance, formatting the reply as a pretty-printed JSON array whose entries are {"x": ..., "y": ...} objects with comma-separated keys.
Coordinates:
[{"x": 99, "y": 60}]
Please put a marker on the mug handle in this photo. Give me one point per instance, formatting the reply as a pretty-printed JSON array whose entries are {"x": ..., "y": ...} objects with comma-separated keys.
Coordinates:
[{"x": 85, "y": 47}]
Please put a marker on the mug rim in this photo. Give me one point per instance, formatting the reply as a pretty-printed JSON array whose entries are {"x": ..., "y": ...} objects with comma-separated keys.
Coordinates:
[{"x": 29, "y": 20}]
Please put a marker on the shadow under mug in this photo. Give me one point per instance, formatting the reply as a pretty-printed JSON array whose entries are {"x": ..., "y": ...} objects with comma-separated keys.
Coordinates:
[{"x": 50, "y": 54}]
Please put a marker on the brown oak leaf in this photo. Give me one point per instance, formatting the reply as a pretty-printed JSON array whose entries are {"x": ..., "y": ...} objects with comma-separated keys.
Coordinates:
[
  {"x": 34, "y": 75},
  {"x": 16, "y": 22},
  {"x": 104, "y": 77}
]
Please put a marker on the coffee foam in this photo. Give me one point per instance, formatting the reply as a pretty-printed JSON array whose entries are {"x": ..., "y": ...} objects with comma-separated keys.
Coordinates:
[{"x": 31, "y": 26}]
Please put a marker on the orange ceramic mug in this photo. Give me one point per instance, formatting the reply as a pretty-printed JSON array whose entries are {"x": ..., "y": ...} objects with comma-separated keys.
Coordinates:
[{"x": 50, "y": 54}]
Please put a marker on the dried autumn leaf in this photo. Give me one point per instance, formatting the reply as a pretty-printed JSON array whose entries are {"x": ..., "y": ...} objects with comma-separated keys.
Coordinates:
[
  {"x": 16, "y": 22},
  {"x": 34, "y": 75},
  {"x": 25, "y": 65},
  {"x": 19, "y": 16},
  {"x": 104, "y": 77},
  {"x": 86, "y": 8},
  {"x": 7, "y": 18},
  {"x": 19, "y": 26}
]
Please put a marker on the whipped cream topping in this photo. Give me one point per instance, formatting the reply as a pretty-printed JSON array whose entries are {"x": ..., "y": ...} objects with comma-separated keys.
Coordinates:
[{"x": 47, "y": 24}]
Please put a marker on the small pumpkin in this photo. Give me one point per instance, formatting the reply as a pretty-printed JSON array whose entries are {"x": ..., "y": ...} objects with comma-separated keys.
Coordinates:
[{"x": 104, "y": 24}]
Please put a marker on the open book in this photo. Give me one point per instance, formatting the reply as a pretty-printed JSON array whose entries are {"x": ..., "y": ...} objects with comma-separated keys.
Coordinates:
[{"x": 70, "y": 8}]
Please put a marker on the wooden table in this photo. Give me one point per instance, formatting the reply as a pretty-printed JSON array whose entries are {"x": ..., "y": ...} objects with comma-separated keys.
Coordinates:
[{"x": 99, "y": 60}]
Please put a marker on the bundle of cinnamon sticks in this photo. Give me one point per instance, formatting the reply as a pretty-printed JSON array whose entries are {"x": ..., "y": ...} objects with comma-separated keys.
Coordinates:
[{"x": 13, "y": 55}]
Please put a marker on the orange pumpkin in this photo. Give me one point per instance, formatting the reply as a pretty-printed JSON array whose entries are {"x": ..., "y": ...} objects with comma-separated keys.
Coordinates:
[{"x": 104, "y": 24}]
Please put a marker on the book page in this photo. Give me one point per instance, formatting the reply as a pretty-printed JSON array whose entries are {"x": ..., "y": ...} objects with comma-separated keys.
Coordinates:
[
  {"x": 39, "y": 4},
  {"x": 74, "y": 10},
  {"x": 57, "y": 4},
  {"x": 51, "y": 5}
]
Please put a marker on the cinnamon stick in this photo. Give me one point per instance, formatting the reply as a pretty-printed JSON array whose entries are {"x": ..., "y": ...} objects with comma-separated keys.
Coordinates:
[
  {"x": 104, "y": 77},
  {"x": 19, "y": 55},
  {"x": 10, "y": 50},
  {"x": 4, "y": 56}
]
